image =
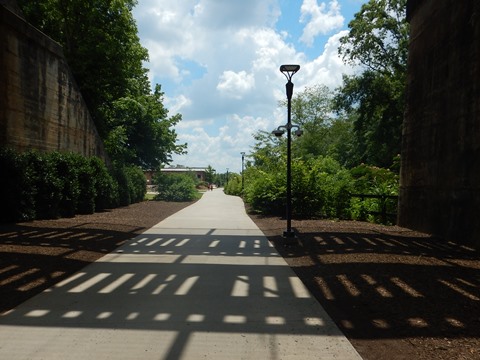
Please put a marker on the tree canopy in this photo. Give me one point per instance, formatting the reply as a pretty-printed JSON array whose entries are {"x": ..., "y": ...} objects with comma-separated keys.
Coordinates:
[
  {"x": 102, "y": 47},
  {"x": 378, "y": 42}
]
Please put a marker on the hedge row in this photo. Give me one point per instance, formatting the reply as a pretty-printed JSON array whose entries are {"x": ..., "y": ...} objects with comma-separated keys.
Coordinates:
[
  {"x": 37, "y": 185},
  {"x": 321, "y": 188},
  {"x": 175, "y": 187}
]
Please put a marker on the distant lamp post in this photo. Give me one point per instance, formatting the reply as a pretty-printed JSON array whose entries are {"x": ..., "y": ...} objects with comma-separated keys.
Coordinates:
[
  {"x": 227, "y": 178},
  {"x": 289, "y": 71},
  {"x": 243, "y": 160}
]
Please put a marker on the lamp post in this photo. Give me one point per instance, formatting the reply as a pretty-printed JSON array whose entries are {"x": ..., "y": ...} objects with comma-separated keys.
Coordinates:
[
  {"x": 289, "y": 71},
  {"x": 227, "y": 178},
  {"x": 243, "y": 159}
]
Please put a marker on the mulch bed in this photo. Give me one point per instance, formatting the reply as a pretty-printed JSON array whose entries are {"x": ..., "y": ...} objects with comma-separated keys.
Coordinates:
[
  {"x": 395, "y": 293},
  {"x": 35, "y": 255}
]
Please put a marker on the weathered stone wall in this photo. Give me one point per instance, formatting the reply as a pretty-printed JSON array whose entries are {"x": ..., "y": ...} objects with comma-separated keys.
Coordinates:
[
  {"x": 40, "y": 104},
  {"x": 440, "y": 175}
]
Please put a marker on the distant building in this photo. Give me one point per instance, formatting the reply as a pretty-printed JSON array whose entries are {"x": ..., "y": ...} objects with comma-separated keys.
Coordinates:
[{"x": 199, "y": 172}]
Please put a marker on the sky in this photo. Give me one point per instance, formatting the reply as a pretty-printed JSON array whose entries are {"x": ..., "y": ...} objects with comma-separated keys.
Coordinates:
[{"x": 218, "y": 64}]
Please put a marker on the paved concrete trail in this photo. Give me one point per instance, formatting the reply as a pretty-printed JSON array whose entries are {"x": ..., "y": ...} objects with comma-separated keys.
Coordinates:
[{"x": 202, "y": 284}]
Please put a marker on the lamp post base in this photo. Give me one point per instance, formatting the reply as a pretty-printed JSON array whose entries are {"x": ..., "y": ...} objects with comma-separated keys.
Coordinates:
[{"x": 290, "y": 238}]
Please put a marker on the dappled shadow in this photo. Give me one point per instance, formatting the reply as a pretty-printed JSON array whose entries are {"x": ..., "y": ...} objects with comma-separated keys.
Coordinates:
[
  {"x": 388, "y": 286},
  {"x": 188, "y": 289},
  {"x": 34, "y": 258}
]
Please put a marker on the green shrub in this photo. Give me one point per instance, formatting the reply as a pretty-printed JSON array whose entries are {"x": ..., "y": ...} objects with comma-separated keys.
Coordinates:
[
  {"x": 50, "y": 185},
  {"x": 374, "y": 181},
  {"x": 265, "y": 192},
  {"x": 320, "y": 188},
  {"x": 234, "y": 185},
  {"x": 137, "y": 183},
  {"x": 66, "y": 168},
  {"x": 106, "y": 188},
  {"x": 46, "y": 183},
  {"x": 16, "y": 188},
  {"x": 86, "y": 182},
  {"x": 175, "y": 187},
  {"x": 123, "y": 183}
]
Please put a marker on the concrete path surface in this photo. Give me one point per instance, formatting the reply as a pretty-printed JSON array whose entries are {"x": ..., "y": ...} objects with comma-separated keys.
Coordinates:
[{"x": 202, "y": 284}]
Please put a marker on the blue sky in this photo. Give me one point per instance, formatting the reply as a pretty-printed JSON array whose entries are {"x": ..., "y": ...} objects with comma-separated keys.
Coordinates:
[{"x": 218, "y": 64}]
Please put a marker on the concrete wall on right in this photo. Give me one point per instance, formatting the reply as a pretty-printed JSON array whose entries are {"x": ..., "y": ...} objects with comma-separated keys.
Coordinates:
[{"x": 440, "y": 173}]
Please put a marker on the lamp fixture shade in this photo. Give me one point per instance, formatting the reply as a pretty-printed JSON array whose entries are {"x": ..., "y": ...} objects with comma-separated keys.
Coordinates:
[{"x": 289, "y": 68}]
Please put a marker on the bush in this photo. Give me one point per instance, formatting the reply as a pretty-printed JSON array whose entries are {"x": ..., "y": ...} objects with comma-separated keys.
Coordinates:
[
  {"x": 375, "y": 181},
  {"x": 265, "y": 192},
  {"x": 137, "y": 183},
  {"x": 106, "y": 188},
  {"x": 16, "y": 188},
  {"x": 86, "y": 182},
  {"x": 175, "y": 187},
  {"x": 47, "y": 185},
  {"x": 320, "y": 188},
  {"x": 132, "y": 184},
  {"x": 234, "y": 185}
]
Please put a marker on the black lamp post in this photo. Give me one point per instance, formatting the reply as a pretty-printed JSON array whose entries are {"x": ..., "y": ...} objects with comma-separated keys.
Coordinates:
[
  {"x": 289, "y": 71},
  {"x": 243, "y": 159}
]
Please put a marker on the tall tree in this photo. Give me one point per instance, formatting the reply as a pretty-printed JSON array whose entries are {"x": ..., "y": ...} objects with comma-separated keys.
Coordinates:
[
  {"x": 101, "y": 44},
  {"x": 378, "y": 42},
  {"x": 324, "y": 134}
]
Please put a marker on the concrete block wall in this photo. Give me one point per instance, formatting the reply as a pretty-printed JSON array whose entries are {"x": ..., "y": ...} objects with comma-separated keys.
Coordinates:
[
  {"x": 40, "y": 104},
  {"x": 440, "y": 173}
]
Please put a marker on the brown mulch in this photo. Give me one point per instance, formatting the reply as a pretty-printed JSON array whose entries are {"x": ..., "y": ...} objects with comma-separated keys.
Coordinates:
[
  {"x": 35, "y": 255},
  {"x": 395, "y": 293}
]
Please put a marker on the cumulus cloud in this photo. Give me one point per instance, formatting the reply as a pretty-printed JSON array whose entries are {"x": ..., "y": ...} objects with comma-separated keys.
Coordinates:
[
  {"x": 234, "y": 84},
  {"x": 320, "y": 19},
  {"x": 218, "y": 63}
]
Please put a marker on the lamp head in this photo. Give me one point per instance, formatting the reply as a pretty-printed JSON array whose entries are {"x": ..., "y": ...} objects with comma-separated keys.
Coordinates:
[
  {"x": 299, "y": 132},
  {"x": 278, "y": 132},
  {"x": 289, "y": 70}
]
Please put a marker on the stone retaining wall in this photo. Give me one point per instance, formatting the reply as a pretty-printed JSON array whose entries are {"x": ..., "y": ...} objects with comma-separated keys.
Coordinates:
[
  {"x": 440, "y": 174},
  {"x": 40, "y": 104}
]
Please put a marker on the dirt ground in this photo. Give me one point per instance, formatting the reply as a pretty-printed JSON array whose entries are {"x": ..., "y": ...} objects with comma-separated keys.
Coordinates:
[{"x": 395, "y": 293}]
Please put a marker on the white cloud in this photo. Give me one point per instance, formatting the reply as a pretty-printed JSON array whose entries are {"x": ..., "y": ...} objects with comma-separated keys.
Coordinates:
[
  {"x": 177, "y": 104},
  {"x": 235, "y": 85},
  {"x": 327, "y": 69},
  {"x": 319, "y": 19},
  {"x": 218, "y": 63}
]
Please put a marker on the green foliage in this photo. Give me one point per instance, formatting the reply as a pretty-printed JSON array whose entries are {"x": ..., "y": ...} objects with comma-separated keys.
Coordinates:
[
  {"x": 320, "y": 188},
  {"x": 375, "y": 99},
  {"x": 132, "y": 184},
  {"x": 141, "y": 133},
  {"x": 234, "y": 185},
  {"x": 51, "y": 185},
  {"x": 378, "y": 36},
  {"x": 46, "y": 185},
  {"x": 265, "y": 192},
  {"x": 175, "y": 187},
  {"x": 210, "y": 174},
  {"x": 373, "y": 180},
  {"x": 137, "y": 183},
  {"x": 103, "y": 50},
  {"x": 100, "y": 43},
  {"x": 324, "y": 134},
  {"x": 106, "y": 188},
  {"x": 17, "y": 200}
]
